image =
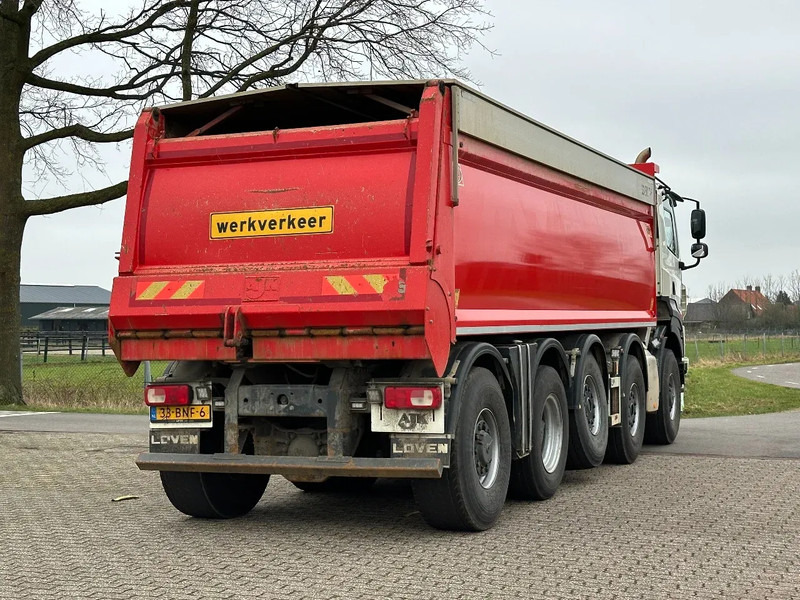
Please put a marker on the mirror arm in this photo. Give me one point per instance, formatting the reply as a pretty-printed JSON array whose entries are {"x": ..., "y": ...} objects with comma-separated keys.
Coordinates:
[
  {"x": 696, "y": 202},
  {"x": 684, "y": 267}
]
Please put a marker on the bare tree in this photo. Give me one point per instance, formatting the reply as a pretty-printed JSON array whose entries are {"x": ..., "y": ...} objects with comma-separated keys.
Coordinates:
[
  {"x": 793, "y": 285},
  {"x": 771, "y": 285},
  {"x": 716, "y": 291},
  {"x": 166, "y": 50}
]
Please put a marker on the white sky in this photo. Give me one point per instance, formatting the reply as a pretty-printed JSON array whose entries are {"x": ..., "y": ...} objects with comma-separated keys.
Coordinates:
[{"x": 713, "y": 87}]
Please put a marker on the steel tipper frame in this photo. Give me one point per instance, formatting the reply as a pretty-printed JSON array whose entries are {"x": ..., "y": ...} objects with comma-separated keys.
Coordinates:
[{"x": 530, "y": 388}]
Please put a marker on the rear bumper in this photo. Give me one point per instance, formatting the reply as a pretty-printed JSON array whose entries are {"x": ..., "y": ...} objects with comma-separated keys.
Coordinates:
[{"x": 293, "y": 466}]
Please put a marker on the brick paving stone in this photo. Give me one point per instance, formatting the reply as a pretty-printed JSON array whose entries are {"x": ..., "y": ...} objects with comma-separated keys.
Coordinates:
[{"x": 666, "y": 527}]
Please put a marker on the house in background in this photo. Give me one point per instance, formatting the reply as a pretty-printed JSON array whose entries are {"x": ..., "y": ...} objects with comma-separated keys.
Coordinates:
[
  {"x": 37, "y": 299},
  {"x": 93, "y": 319},
  {"x": 702, "y": 315},
  {"x": 738, "y": 305}
]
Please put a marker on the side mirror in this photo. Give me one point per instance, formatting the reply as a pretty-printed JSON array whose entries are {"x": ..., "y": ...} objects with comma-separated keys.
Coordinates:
[
  {"x": 699, "y": 250},
  {"x": 698, "y": 225}
]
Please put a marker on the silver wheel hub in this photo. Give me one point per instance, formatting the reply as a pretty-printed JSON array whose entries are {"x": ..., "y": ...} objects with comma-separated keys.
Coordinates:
[
  {"x": 552, "y": 433},
  {"x": 633, "y": 409},
  {"x": 672, "y": 398},
  {"x": 486, "y": 449},
  {"x": 591, "y": 404}
]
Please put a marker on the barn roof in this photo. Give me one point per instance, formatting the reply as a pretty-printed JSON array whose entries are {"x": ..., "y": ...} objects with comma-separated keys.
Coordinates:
[
  {"x": 63, "y": 294},
  {"x": 74, "y": 313}
]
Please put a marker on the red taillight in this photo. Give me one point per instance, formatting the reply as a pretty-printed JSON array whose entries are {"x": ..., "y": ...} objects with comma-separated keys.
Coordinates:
[
  {"x": 159, "y": 395},
  {"x": 412, "y": 397}
]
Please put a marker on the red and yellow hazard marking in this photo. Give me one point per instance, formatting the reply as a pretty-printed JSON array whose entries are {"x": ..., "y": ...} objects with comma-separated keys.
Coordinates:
[
  {"x": 169, "y": 290},
  {"x": 353, "y": 285}
]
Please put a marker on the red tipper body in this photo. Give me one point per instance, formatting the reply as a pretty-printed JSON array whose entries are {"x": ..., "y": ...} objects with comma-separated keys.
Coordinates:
[{"x": 417, "y": 218}]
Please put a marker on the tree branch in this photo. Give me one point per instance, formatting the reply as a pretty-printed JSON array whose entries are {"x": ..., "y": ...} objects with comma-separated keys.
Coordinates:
[
  {"x": 109, "y": 92},
  {"x": 108, "y": 34},
  {"x": 79, "y": 131},
  {"x": 49, "y": 206},
  {"x": 186, "y": 51}
]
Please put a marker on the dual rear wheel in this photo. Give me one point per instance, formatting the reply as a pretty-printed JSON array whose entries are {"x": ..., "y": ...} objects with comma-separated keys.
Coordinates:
[{"x": 470, "y": 494}]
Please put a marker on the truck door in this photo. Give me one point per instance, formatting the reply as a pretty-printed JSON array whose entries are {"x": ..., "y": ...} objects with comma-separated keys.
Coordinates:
[{"x": 669, "y": 256}]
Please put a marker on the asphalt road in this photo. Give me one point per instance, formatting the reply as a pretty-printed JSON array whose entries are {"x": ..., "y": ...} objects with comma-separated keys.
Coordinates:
[
  {"x": 786, "y": 375},
  {"x": 72, "y": 422},
  {"x": 710, "y": 524}
]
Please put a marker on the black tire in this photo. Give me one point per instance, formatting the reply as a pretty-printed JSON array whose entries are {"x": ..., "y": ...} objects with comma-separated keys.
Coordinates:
[
  {"x": 538, "y": 475},
  {"x": 625, "y": 441},
  {"x": 213, "y": 495},
  {"x": 662, "y": 425},
  {"x": 471, "y": 493},
  {"x": 588, "y": 422},
  {"x": 336, "y": 484}
]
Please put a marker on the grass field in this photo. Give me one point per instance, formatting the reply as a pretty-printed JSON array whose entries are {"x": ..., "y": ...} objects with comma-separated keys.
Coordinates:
[
  {"x": 99, "y": 385},
  {"x": 742, "y": 348},
  {"x": 712, "y": 390}
]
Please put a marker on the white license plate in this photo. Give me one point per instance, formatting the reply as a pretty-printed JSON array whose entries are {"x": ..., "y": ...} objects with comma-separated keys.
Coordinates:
[{"x": 393, "y": 420}]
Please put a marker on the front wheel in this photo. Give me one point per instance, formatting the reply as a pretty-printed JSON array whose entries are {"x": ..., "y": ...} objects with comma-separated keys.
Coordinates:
[
  {"x": 663, "y": 425},
  {"x": 213, "y": 495},
  {"x": 471, "y": 493},
  {"x": 625, "y": 441}
]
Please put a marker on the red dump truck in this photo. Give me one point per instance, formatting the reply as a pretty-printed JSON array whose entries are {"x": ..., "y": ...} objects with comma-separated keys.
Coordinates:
[{"x": 397, "y": 279}]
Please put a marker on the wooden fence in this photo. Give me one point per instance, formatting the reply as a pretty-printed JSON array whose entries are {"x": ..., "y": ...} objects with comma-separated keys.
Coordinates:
[{"x": 43, "y": 343}]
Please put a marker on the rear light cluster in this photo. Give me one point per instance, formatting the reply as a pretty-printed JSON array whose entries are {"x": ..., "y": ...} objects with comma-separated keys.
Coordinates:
[
  {"x": 412, "y": 397},
  {"x": 167, "y": 395}
]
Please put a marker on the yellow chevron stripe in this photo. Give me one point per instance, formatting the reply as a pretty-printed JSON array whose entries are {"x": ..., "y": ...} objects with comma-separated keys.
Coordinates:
[
  {"x": 152, "y": 290},
  {"x": 341, "y": 285},
  {"x": 186, "y": 290},
  {"x": 378, "y": 282}
]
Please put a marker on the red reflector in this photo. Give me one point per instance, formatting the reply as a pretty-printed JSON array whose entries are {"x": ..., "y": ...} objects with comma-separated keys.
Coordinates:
[
  {"x": 158, "y": 395},
  {"x": 412, "y": 397}
]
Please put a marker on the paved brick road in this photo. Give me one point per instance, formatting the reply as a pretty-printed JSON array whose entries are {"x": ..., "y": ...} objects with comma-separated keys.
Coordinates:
[{"x": 667, "y": 527}]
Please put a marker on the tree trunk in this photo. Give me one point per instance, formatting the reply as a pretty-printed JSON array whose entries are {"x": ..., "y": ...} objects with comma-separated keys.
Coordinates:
[
  {"x": 11, "y": 228},
  {"x": 14, "y": 38}
]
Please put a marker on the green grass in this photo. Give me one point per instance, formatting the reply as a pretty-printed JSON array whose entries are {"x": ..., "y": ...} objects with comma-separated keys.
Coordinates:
[
  {"x": 108, "y": 408},
  {"x": 714, "y": 391},
  {"x": 741, "y": 348},
  {"x": 95, "y": 385}
]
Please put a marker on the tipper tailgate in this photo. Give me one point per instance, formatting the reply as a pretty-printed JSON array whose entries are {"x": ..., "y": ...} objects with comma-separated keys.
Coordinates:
[{"x": 289, "y": 244}]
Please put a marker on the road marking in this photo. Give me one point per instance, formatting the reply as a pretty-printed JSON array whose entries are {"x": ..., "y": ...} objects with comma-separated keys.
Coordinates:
[
  {"x": 28, "y": 414},
  {"x": 792, "y": 383},
  {"x": 760, "y": 376}
]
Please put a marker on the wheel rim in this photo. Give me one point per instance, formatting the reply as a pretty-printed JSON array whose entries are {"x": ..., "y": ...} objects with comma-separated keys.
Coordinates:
[
  {"x": 552, "y": 434},
  {"x": 486, "y": 449},
  {"x": 633, "y": 409},
  {"x": 672, "y": 397},
  {"x": 591, "y": 404}
]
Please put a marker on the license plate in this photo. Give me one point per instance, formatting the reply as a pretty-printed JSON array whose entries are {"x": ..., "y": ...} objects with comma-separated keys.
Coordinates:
[
  {"x": 196, "y": 415},
  {"x": 392, "y": 420}
]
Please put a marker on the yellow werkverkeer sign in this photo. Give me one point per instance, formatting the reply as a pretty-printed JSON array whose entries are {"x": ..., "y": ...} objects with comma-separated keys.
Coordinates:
[{"x": 265, "y": 223}]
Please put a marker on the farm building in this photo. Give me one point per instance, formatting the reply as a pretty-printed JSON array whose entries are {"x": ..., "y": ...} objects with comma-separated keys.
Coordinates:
[
  {"x": 37, "y": 299},
  {"x": 74, "y": 318}
]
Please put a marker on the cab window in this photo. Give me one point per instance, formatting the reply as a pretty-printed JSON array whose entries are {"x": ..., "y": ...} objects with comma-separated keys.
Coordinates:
[{"x": 670, "y": 234}]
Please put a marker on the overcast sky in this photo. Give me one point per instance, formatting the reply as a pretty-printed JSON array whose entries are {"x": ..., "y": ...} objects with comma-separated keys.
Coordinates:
[{"x": 713, "y": 87}]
